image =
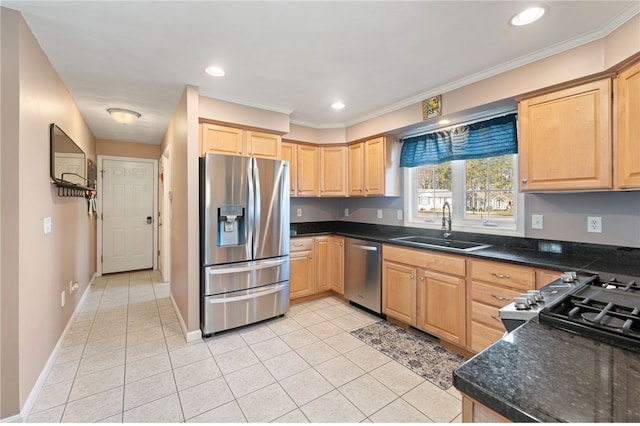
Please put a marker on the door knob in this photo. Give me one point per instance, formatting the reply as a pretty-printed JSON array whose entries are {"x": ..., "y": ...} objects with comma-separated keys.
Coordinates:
[{"x": 149, "y": 220}]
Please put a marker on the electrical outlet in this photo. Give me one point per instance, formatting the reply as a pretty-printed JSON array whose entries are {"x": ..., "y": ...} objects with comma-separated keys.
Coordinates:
[
  {"x": 299, "y": 212},
  {"x": 70, "y": 287},
  {"x": 63, "y": 299},
  {"x": 537, "y": 221},
  {"x": 399, "y": 215},
  {"x": 379, "y": 214},
  {"x": 594, "y": 224},
  {"x": 346, "y": 212}
]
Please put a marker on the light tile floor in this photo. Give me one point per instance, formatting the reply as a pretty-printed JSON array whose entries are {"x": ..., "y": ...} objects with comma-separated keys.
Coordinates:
[{"x": 125, "y": 360}]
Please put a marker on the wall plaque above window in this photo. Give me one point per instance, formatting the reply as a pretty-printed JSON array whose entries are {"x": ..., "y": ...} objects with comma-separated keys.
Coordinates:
[{"x": 432, "y": 107}]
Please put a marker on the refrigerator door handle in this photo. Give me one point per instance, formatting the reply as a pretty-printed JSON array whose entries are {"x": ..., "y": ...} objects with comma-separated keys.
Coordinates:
[
  {"x": 256, "y": 215},
  {"x": 247, "y": 267},
  {"x": 250, "y": 223}
]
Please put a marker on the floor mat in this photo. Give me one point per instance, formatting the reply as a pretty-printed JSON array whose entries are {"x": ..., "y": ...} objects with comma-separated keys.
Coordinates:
[{"x": 423, "y": 357}]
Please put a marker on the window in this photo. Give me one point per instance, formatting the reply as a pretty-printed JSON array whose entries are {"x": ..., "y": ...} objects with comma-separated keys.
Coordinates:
[{"x": 483, "y": 195}]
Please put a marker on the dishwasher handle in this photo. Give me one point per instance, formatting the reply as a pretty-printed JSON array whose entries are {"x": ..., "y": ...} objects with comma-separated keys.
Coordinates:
[{"x": 369, "y": 248}]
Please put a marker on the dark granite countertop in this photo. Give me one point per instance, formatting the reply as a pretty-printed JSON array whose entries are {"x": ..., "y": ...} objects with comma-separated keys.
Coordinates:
[
  {"x": 561, "y": 256},
  {"x": 542, "y": 374}
]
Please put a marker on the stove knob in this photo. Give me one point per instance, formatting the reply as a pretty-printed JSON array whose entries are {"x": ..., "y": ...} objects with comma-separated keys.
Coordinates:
[
  {"x": 537, "y": 296},
  {"x": 521, "y": 303},
  {"x": 528, "y": 299}
]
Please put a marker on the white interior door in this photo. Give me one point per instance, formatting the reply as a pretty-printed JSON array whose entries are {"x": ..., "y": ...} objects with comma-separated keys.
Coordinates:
[{"x": 127, "y": 215}]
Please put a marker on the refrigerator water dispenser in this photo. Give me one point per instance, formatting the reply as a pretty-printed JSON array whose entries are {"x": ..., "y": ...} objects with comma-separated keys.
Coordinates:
[{"x": 230, "y": 225}]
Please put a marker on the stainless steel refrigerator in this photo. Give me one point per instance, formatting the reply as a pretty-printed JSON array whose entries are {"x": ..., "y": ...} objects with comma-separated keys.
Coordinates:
[{"x": 244, "y": 251}]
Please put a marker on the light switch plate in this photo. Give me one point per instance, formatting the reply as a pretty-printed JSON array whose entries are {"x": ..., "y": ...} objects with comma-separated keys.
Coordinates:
[
  {"x": 379, "y": 214},
  {"x": 399, "y": 215},
  {"x": 537, "y": 221},
  {"x": 47, "y": 225}
]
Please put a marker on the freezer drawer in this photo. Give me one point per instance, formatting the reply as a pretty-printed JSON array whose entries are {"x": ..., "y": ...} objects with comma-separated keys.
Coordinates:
[
  {"x": 244, "y": 275},
  {"x": 231, "y": 310}
]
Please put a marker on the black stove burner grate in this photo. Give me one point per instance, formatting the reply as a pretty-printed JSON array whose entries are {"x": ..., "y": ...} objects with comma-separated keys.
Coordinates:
[{"x": 607, "y": 310}]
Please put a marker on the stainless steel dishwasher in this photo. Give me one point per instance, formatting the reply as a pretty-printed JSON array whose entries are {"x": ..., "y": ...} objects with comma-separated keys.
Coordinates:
[{"x": 362, "y": 282}]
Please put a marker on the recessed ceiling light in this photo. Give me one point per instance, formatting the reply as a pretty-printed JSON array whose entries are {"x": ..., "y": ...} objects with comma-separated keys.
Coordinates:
[
  {"x": 337, "y": 105},
  {"x": 123, "y": 116},
  {"x": 444, "y": 121},
  {"x": 528, "y": 16},
  {"x": 215, "y": 71}
]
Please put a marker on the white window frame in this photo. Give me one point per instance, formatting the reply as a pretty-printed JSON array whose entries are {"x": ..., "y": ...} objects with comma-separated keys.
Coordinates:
[{"x": 458, "y": 190}]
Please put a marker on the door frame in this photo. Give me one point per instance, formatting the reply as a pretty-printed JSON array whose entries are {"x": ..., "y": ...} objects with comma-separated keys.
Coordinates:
[
  {"x": 165, "y": 250},
  {"x": 154, "y": 253}
]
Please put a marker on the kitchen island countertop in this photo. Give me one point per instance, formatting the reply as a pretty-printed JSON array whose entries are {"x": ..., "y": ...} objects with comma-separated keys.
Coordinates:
[{"x": 542, "y": 374}]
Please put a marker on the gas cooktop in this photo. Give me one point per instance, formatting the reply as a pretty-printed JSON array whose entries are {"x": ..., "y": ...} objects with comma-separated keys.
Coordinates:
[{"x": 603, "y": 309}]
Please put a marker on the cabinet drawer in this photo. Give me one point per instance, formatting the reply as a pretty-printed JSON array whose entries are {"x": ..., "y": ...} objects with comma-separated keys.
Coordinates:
[
  {"x": 505, "y": 274},
  {"x": 301, "y": 244},
  {"x": 487, "y": 315},
  {"x": 483, "y": 336},
  {"x": 492, "y": 295},
  {"x": 448, "y": 264}
]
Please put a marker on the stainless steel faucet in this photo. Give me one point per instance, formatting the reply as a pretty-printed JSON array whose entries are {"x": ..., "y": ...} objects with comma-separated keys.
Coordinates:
[{"x": 446, "y": 221}]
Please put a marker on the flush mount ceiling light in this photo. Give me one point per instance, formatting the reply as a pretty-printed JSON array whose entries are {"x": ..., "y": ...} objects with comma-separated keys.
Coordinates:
[
  {"x": 528, "y": 16},
  {"x": 337, "y": 105},
  {"x": 215, "y": 71},
  {"x": 123, "y": 116},
  {"x": 444, "y": 121}
]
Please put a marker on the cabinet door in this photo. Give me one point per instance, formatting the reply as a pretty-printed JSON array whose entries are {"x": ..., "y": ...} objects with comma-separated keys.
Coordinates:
[
  {"x": 336, "y": 264},
  {"x": 356, "y": 171},
  {"x": 222, "y": 140},
  {"x": 333, "y": 171},
  {"x": 565, "y": 139},
  {"x": 441, "y": 306},
  {"x": 628, "y": 141},
  {"x": 263, "y": 145},
  {"x": 289, "y": 152},
  {"x": 321, "y": 255},
  {"x": 308, "y": 170},
  {"x": 374, "y": 166},
  {"x": 399, "y": 292},
  {"x": 301, "y": 273}
]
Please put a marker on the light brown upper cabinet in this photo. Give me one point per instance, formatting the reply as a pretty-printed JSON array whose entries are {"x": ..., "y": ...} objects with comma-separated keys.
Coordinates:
[
  {"x": 628, "y": 140},
  {"x": 229, "y": 140},
  {"x": 565, "y": 139},
  {"x": 333, "y": 171},
  {"x": 308, "y": 157},
  {"x": 221, "y": 139},
  {"x": 263, "y": 145},
  {"x": 289, "y": 152},
  {"x": 373, "y": 167}
]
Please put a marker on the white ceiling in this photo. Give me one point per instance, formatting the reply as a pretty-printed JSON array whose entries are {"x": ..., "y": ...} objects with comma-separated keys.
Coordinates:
[{"x": 293, "y": 57}]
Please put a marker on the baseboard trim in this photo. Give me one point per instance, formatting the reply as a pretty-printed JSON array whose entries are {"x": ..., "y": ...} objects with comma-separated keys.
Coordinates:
[
  {"x": 189, "y": 336},
  {"x": 35, "y": 391}
]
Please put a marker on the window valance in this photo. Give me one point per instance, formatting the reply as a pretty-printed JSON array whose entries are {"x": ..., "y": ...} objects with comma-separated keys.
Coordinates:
[{"x": 482, "y": 139}]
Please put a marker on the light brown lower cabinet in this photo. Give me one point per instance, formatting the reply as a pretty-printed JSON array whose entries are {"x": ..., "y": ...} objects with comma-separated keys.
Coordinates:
[
  {"x": 336, "y": 264},
  {"x": 415, "y": 294},
  {"x": 301, "y": 270},
  {"x": 474, "y": 412},
  {"x": 316, "y": 265},
  {"x": 441, "y": 306}
]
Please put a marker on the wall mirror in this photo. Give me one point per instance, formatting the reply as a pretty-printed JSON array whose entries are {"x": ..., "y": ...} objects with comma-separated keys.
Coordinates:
[{"x": 68, "y": 162}]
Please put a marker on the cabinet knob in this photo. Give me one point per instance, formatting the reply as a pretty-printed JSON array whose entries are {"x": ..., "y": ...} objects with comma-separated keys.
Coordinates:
[
  {"x": 524, "y": 181},
  {"x": 421, "y": 278},
  {"x": 411, "y": 276}
]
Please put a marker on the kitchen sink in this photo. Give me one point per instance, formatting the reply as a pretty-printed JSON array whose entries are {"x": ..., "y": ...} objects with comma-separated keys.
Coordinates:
[{"x": 454, "y": 245}]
